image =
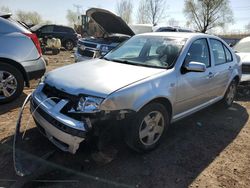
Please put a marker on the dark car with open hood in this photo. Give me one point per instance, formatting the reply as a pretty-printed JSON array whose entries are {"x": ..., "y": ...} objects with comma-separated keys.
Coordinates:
[{"x": 115, "y": 31}]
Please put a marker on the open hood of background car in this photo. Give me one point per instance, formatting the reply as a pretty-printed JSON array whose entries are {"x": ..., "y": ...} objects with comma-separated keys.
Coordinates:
[{"x": 109, "y": 22}]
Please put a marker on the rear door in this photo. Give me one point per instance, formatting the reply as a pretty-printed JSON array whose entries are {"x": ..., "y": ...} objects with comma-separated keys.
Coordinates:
[
  {"x": 59, "y": 32},
  {"x": 223, "y": 66}
]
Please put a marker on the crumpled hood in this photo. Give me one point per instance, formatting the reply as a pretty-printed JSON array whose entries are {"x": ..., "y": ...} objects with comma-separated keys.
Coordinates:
[
  {"x": 97, "y": 77},
  {"x": 109, "y": 22},
  {"x": 245, "y": 57}
]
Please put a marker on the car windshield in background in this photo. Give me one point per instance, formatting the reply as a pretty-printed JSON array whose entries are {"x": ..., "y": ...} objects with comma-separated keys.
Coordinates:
[
  {"x": 243, "y": 46},
  {"x": 151, "y": 51}
]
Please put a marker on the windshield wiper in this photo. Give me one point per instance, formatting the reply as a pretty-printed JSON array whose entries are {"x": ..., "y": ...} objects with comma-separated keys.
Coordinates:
[{"x": 120, "y": 61}]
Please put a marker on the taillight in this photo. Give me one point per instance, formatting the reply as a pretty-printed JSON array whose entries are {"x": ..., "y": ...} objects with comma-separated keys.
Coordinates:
[{"x": 35, "y": 40}]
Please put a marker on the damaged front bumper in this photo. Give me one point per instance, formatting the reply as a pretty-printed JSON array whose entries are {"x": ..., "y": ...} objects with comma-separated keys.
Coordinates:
[{"x": 63, "y": 131}]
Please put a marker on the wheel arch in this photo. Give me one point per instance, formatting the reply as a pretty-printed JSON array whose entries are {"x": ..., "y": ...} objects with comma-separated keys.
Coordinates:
[
  {"x": 237, "y": 79},
  {"x": 18, "y": 66},
  {"x": 165, "y": 102}
]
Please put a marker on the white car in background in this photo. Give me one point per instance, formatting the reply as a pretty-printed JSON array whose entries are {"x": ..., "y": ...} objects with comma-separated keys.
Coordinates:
[{"x": 242, "y": 49}]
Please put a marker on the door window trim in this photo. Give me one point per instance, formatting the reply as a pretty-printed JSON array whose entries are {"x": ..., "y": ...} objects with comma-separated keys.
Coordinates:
[{"x": 209, "y": 53}]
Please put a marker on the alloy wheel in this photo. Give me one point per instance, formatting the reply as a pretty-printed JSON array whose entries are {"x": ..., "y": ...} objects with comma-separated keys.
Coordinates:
[
  {"x": 69, "y": 45},
  {"x": 151, "y": 128},
  {"x": 231, "y": 93},
  {"x": 8, "y": 84}
]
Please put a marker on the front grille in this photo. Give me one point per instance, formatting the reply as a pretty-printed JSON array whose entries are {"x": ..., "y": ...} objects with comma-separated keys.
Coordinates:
[
  {"x": 90, "y": 45},
  {"x": 246, "y": 69},
  {"x": 86, "y": 53},
  {"x": 57, "y": 123},
  {"x": 56, "y": 95}
]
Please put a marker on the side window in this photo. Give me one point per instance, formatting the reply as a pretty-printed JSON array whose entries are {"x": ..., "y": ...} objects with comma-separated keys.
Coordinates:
[
  {"x": 218, "y": 52},
  {"x": 69, "y": 30},
  {"x": 229, "y": 56},
  {"x": 58, "y": 29},
  {"x": 47, "y": 29},
  {"x": 199, "y": 52}
]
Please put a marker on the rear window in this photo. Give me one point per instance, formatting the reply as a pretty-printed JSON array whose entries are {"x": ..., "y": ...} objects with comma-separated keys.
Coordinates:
[
  {"x": 229, "y": 56},
  {"x": 36, "y": 27}
]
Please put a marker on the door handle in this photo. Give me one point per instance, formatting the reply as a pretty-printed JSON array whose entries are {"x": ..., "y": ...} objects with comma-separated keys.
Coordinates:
[
  {"x": 230, "y": 68},
  {"x": 210, "y": 75}
]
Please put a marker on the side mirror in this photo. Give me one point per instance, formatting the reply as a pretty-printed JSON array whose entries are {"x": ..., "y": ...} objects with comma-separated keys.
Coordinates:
[{"x": 195, "y": 67}]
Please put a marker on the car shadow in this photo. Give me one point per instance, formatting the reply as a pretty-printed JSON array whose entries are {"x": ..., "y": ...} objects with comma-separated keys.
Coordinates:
[
  {"x": 4, "y": 108},
  {"x": 188, "y": 148}
]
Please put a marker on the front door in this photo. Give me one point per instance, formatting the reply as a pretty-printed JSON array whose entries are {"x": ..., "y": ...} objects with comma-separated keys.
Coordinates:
[{"x": 194, "y": 87}]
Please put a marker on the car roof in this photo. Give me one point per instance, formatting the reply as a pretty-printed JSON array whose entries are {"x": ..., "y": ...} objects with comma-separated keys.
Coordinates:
[
  {"x": 246, "y": 39},
  {"x": 5, "y": 15},
  {"x": 177, "y": 34},
  {"x": 44, "y": 24}
]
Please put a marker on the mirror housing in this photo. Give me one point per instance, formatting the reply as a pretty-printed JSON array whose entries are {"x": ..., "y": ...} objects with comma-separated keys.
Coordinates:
[{"x": 193, "y": 66}]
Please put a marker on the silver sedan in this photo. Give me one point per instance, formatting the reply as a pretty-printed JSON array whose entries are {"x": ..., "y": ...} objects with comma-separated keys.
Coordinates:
[{"x": 150, "y": 81}]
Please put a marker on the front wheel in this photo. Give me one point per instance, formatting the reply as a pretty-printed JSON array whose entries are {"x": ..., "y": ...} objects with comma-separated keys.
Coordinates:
[
  {"x": 146, "y": 130},
  {"x": 230, "y": 94}
]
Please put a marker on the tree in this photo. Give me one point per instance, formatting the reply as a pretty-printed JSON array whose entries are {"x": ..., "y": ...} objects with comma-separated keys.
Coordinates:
[
  {"x": 142, "y": 9},
  {"x": 124, "y": 9},
  {"x": 5, "y": 9},
  {"x": 173, "y": 22},
  {"x": 72, "y": 18},
  {"x": 152, "y": 10},
  {"x": 29, "y": 17},
  {"x": 208, "y": 14}
]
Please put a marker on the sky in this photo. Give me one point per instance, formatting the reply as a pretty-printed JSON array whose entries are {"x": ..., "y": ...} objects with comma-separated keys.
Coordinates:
[{"x": 56, "y": 10}]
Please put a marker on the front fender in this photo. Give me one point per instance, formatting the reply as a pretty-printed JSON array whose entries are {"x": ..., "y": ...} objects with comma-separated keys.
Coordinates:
[{"x": 137, "y": 95}]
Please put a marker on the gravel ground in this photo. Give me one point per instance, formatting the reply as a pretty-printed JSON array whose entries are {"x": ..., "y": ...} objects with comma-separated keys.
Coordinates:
[{"x": 208, "y": 149}]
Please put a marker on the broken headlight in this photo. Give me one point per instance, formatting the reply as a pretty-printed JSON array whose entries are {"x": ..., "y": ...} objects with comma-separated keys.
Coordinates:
[{"x": 87, "y": 105}]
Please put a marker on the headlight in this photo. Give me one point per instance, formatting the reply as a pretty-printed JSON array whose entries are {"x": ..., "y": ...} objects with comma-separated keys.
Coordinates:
[
  {"x": 105, "y": 49},
  {"x": 88, "y": 105}
]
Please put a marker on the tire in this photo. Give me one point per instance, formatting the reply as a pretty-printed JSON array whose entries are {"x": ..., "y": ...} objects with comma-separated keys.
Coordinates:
[
  {"x": 144, "y": 132},
  {"x": 230, "y": 94},
  {"x": 11, "y": 83},
  {"x": 69, "y": 45},
  {"x": 55, "y": 51}
]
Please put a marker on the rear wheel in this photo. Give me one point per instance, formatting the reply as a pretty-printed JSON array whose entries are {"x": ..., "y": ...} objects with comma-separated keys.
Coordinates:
[
  {"x": 146, "y": 130},
  {"x": 11, "y": 83},
  {"x": 230, "y": 94},
  {"x": 69, "y": 45}
]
